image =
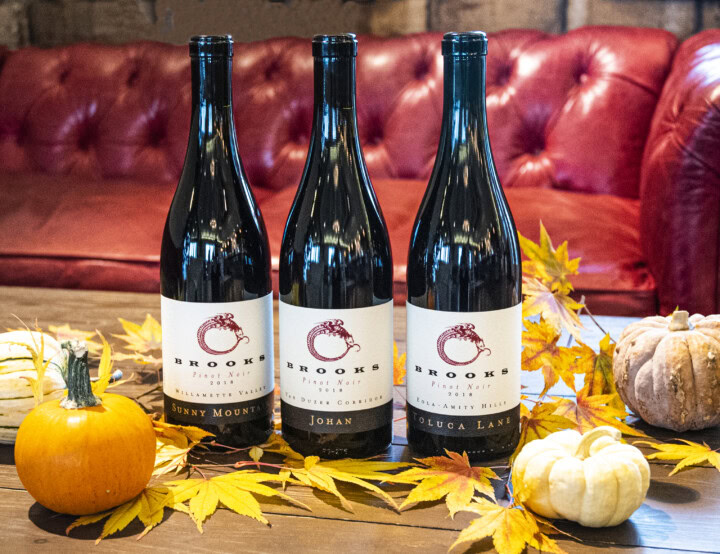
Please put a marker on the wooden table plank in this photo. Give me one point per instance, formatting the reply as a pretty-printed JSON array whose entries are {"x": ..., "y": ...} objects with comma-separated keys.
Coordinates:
[
  {"x": 38, "y": 530},
  {"x": 680, "y": 514}
]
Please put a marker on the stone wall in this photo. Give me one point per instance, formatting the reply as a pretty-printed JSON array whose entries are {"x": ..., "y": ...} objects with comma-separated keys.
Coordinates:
[{"x": 55, "y": 22}]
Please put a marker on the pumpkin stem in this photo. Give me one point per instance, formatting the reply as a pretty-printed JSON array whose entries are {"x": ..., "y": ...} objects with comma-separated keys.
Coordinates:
[
  {"x": 80, "y": 394},
  {"x": 679, "y": 321},
  {"x": 583, "y": 448}
]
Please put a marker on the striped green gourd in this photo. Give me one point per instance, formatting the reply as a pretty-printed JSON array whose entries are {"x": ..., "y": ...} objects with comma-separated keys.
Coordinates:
[{"x": 16, "y": 396}]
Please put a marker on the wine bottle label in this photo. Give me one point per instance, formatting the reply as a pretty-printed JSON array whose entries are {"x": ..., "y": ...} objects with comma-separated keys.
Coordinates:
[
  {"x": 463, "y": 371},
  {"x": 336, "y": 368},
  {"x": 218, "y": 360}
]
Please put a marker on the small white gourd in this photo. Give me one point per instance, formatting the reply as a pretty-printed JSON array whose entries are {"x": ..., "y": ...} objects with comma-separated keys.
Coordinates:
[{"x": 592, "y": 479}]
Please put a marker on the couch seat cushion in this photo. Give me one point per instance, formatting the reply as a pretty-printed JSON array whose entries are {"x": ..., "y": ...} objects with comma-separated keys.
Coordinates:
[
  {"x": 70, "y": 232},
  {"x": 75, "y": 233},
  {"x": 601, "y": 229},
  {"x": 107, "y": 235}
]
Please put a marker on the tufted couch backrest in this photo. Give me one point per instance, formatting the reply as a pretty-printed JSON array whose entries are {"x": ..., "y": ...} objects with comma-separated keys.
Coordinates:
[{"x": 569, "y": 111}]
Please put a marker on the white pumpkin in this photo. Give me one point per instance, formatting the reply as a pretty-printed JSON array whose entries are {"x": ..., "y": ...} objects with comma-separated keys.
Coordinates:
[
  {"x": 667, "y": 370},
  {"x": 592, "y": 479},
  {"x": 16, "y": 397}
]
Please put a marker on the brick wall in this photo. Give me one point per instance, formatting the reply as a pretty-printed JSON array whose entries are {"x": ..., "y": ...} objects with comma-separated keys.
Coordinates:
[{"x": 54, "y": 22}]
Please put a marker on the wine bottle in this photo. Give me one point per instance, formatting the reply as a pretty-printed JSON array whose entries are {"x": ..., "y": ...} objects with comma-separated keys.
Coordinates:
[
  {"x": 464, "y": 282},
  {"x": 218, "y": 370},
  {"x": 336, "y": 282}
]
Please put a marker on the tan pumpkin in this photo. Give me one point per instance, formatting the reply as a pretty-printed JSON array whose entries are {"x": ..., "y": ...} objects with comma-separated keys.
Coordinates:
[
  {"x": 667, "y": 370},
  {"x": 85, "y": 454}
]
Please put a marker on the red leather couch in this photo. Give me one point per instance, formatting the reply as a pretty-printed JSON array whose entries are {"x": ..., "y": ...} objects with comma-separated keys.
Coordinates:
[{"x": 608, "y": 135}]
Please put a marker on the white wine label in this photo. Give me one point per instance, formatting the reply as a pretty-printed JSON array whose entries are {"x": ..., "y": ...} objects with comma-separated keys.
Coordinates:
[
  {"x": 217, "y": 360},
  {"x": 336, "y": 368},
  {"x": 463, "y": 370}
]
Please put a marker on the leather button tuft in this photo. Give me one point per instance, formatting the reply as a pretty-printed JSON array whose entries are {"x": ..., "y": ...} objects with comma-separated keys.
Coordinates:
[
  {"x": 157, "y": 132},
  {"x": 503, "y": 75},
  {"x": 580, "y": 74},
  {"x": 85, "y": 138},
  {"x": 133, "y": 78},
  {"x": 422, "y": 69},
  {"x": 271, "y": 70}
]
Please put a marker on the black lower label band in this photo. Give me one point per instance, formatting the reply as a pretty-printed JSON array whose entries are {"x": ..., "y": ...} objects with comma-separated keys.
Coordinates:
[
  {"x": 218, "y": 414},
  {"x": 464, "y": 426},
  {"x": 316, "y": 421}
]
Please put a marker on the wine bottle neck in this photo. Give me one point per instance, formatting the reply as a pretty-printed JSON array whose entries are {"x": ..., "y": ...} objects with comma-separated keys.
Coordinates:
[
  {"x": 335, "y": 118},
  {"x": 212, "y": 129},
  {"x": 464, "y": 119}
]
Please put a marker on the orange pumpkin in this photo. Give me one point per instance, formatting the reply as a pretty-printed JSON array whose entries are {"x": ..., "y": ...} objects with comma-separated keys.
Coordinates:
[{"x": 85, "y": 454}]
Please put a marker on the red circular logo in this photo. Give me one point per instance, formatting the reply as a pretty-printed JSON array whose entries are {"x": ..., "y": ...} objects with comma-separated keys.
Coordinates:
[
  {"x": 462, "y": 332},
  {"x": 331, "y": 328},
  {"x": 226, "y": 324}
]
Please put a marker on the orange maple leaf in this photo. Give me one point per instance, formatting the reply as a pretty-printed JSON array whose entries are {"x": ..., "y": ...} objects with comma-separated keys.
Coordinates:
[
  {"x": 451, "y": 477},
  {"x": 597, "y": 367},
  {"x": 399, "y": 370},
  {"x": 556, "y": 307},
  {"x": 539, "y": 422},
  {"x": 540, "y": 351},
  {"x": 549, "y": 265},
  {"x": 588, "y": 412}
]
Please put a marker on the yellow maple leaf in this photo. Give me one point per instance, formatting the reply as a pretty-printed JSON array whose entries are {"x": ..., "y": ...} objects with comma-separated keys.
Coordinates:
[
  {"x": 547, "y": 264},
  {"x": 398, "y": 366},
  {"x": 177, "y": 432},
  {"x": 148, "y": 507},
  {"x": 173, "y": 444},
  {"x": 510, "y": 527},
  {"x": 36, "y": 351},
  {"x": 233, "y": 490},
  {"x": 255, "y": 453},
  {"x": 313, "y": 472},
  {"x": 539, "y": 422},
  {"x": 541, "y": 352},
  {"x": 104, "y": 369},
  {"x": 690, "y": 454},
  {"x": 323, "y": 474},
  {"x": 141, "y": 338},
  {"x": 589, "y": 412},
  {"x": 597, "y": 367},
  {"x": 65, "y": 332},
  {"x": 451, "y": 477},
  {"x": 556, "y": 307},
  {"x": 277, "y": 444},
  {"x": 137, "y": 357}
]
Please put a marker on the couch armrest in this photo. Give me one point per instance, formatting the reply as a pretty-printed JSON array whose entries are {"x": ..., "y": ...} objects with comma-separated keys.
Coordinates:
[{"x": 680, "y": 181}]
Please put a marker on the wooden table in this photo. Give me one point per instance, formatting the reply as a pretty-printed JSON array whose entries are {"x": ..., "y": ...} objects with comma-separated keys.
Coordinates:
[{"x": 681, "y": 513}]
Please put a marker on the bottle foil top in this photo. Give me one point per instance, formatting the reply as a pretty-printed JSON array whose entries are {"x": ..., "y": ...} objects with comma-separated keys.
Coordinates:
[
  {"x": 334, "y": 46},
  {"x": 472, "y": 43},
  {"x": 206, "y": 46}
]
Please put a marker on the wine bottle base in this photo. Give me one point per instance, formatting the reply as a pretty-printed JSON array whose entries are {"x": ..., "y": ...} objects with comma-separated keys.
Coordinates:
[
  {"x": 339, "y": 445},
  {"x": 237, "y": 435},
  {"x": 238, "y": 425},
  {"x": 478, "y": 449}
]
